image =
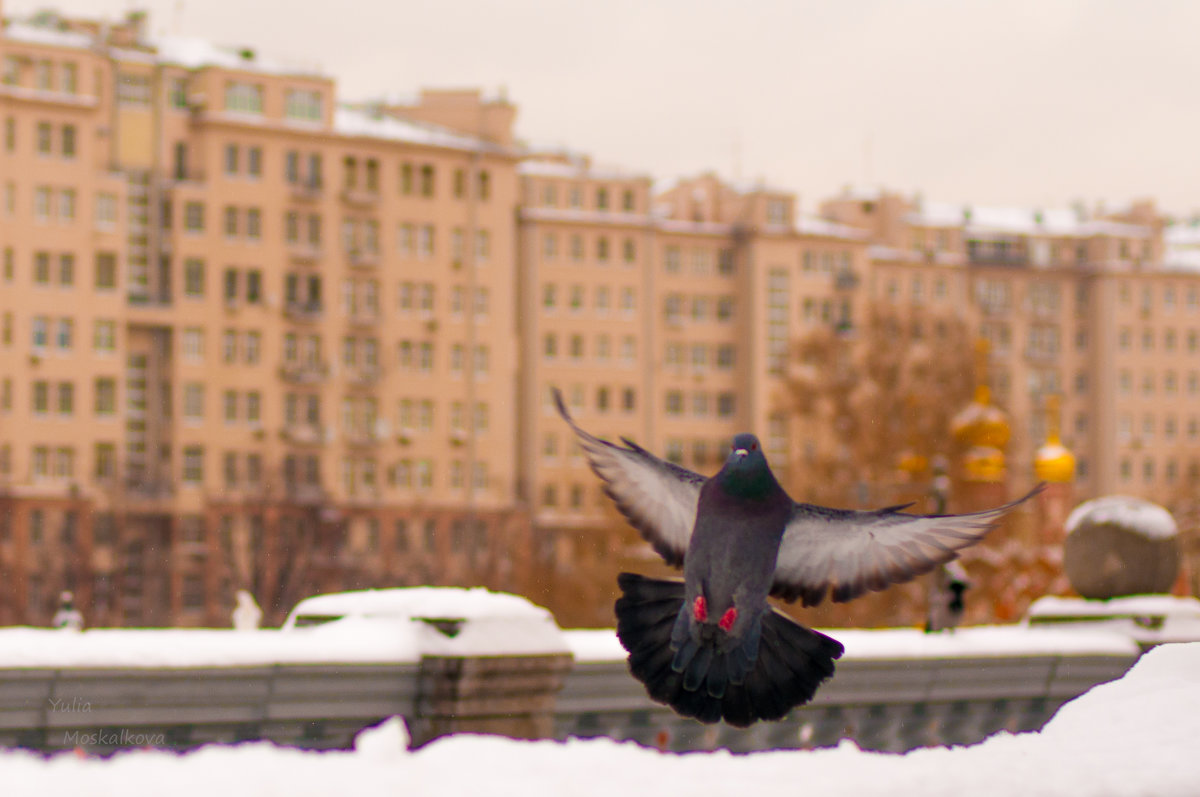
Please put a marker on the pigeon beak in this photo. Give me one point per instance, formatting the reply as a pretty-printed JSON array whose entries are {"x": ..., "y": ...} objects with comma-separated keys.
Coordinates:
[{"x": 741, "y": 452}]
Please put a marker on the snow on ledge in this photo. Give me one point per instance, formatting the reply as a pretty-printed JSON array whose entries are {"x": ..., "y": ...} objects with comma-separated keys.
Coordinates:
[
  {"x": 1134, "y": 736},
  {"x": 1132, "y": 606},
  {"x": 1150, "y": 519},
  {"x": 372, "y": 626},
  {"x": 912, "y": 643},
  {"x": 350, "y": 641},
  {"x": 406, "y": 602}
]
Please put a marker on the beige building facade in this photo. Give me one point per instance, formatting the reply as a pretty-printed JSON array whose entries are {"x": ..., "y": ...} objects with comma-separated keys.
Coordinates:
[{"x": 252, "y": 337}]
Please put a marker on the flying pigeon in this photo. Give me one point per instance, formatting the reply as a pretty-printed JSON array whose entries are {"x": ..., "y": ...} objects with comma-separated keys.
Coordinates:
[{"x": 711, "y": 646}]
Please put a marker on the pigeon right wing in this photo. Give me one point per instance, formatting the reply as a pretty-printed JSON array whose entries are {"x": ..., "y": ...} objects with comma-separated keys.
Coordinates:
[
  {"x": 849, "y": 552},
  {"x": 658, "y": 498}
]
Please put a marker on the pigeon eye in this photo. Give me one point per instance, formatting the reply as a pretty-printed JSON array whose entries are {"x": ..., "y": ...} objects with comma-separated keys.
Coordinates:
[{"x": 754, "y": 446}]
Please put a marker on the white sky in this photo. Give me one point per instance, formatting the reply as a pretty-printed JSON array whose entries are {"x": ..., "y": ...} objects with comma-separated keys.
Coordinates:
[{"x": 1030, "y": 102}]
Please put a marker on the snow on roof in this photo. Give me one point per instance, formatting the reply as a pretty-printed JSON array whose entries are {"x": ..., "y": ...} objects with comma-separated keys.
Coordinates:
[
  {"x": 1133, "y": 736},
  {"x": 354, "y": 122},
  {"x": 912, "y": 643},
  {"x": 577, "y": 171},
  {"x": 1181, "y": 259},
  {"x": 32, "y": 33},
  {"x": 664, "y": 184},
  {"x": 193, "y": 52},
  {"x": 1059, "y": 222},
  {"x": 814, "y": 225},
  {"x": 1183, "y": 234},
  {"x": 1182, "y": 246},
  {"x": 1134, "y": 513}
]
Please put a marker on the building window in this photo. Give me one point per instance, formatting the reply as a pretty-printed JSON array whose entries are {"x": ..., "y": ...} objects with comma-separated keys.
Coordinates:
[
  {"x": 193, "y": 344},
  {"x": 177, "y": 93},
  {"x": 66, "y": 333},
  {"x": 68, "y": 141},
  {"x": 193, "y": 464},
  {"x": 243, "y": 97},
  {"x": 193, "y": 278},
  {"x": 70, "y": 78},
  {"x": 193, "y": 217},
  {"x": 104, "y": 336},
  {"x": 305, "y": 106},
  {"x": 66, "y": 398},
  {"x": 193, "y": 401},
  {"x": 104, "y": 469},
  {"x": 106, "y": 271},
  {"x": 133, "y": 90}
]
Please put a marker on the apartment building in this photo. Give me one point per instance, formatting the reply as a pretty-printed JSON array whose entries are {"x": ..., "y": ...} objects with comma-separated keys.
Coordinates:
[
  {"x": 665, "y": 314},
  {"x": 1097, "y": 306},
  {"x": 249, "y": 338},
  {"x": 253, "y": 337}
]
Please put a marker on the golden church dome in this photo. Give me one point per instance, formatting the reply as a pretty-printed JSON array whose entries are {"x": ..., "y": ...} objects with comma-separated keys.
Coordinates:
[
  {"x": 981, "y": 423},
  {"x": 912, "y": 463},
  {"x": 984, "y": 464},
  {"x": 1054, "y": 462}
]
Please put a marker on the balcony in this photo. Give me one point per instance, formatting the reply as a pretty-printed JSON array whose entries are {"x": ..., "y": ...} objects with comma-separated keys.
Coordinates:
[
  {"x": 363, "y": 258},
  {"x": 364, "y": 438},
  {"x": 307, "y": 190},
  {"x": 365, "y": 376},
  {"x": 303, "y": 373},
  {"x": 1039, "y": 354},
  {"x": 998, "y": 252},
  {"x": 301, "y": 493},
  {"x": 995, "y": 309},
  {"x": 365, "y": 318},
  {"x": 845, "y": 280},
  {"x": 359, "y": 198},
  {"x": 304, "y": 251},
  {"x": 304, "y": 433},
  {"x": 142, "y": 495},
  {"x": 304, "y": 312}
]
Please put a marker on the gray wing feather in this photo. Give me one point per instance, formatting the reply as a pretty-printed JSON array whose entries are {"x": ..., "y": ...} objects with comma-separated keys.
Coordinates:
[
  {"x": 658, "y": 498},
  {"x": 849, "y": 552}
]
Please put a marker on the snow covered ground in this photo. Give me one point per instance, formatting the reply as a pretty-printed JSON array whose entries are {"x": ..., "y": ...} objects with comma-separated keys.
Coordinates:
[{"x": 1135, "y": 736}]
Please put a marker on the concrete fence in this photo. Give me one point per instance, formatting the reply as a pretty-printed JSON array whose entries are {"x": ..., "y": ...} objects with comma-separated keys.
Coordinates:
[
  {"x": 890, "y": 693},
  {"x": 882, "y": 704}
]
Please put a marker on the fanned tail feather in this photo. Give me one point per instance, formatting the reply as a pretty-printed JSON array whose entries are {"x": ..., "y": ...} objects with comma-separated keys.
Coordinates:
[{"x": 776, "y": 666}]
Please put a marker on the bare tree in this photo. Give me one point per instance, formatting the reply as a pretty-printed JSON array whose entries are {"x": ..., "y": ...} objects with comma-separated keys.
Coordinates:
[{"x": 859, "y": 400}]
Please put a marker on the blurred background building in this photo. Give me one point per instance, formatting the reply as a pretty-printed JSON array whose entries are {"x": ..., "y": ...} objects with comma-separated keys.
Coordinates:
[{"x": 252, "y": 337}]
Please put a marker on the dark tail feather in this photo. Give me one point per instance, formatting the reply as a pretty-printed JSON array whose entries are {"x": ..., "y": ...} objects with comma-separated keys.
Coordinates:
[{"x": 776, "y": 667}]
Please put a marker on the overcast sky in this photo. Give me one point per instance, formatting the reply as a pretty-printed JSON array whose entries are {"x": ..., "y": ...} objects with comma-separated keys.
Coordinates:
[{"x": 1029, "y": 102}]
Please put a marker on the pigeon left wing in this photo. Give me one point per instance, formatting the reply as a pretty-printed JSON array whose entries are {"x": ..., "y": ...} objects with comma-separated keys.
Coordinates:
[
  {"x": 657, "y": 497},
  {"x": 848, "y": 552}
]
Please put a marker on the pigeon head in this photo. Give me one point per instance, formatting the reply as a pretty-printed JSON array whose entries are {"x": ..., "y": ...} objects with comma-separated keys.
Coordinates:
[{"x": 746, "y": 472}]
